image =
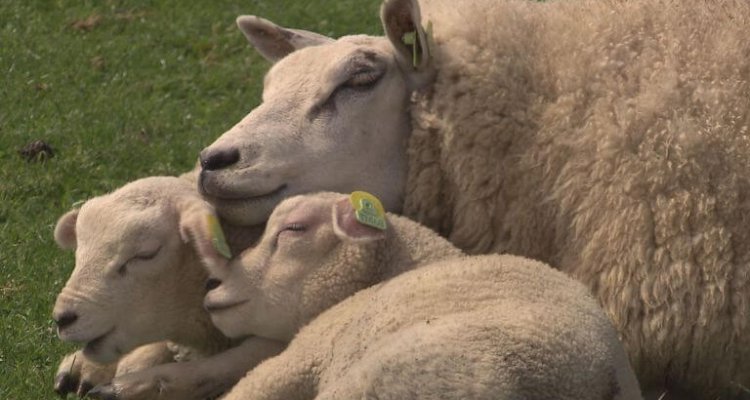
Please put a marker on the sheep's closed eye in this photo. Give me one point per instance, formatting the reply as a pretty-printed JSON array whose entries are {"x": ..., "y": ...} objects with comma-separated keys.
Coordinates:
[
  {"x": 144, "y": 256},
  {"x": 290, "y": 229},
  {"x": 147, "y": 255},
  {"x": 364, "y": 79},
  {"x": 361, "y": 76}
]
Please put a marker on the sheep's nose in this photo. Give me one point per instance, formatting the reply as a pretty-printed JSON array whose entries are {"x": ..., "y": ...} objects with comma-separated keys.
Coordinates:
[
  {"x": 65, "y": 319},
  {"x": 212, "y": 283},
  {"x": 218, "y": 159}
]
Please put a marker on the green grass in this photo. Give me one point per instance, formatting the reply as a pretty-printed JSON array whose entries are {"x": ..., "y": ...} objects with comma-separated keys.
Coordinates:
[{"x": 138, "y": 92}]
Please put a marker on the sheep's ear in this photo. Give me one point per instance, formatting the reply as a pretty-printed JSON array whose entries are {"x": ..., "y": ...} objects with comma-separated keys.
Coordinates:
[
  {"x": 275, "y": 42},
  {"x": 346, "y": 226},
  {"x": 200, "y": 226},
  {"x": 403, "y": 27},
  {"x": 65, "y": 231}
]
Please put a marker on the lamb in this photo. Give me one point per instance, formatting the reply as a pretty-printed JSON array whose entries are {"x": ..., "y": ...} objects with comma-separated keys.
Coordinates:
[
  {"x": 606, "y": 138},
  {"x": 137, "y": 281},
  {"x": 439, "y": 325}
]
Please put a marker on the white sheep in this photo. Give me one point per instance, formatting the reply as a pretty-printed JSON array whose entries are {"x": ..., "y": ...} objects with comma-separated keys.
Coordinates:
[
  {"x": 607, "y": 138},
  {"x": 138, "y": 281},
  {"x": 442, "y": 325}
]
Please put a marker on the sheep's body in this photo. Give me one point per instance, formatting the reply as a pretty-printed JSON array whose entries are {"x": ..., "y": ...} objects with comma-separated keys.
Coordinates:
[
  {"x": 606, "y": 138},
  {"x": 609, "y": 139},
  {"x": 486, "y": 327},
  {"x": 136, "y": 281},
  {"x": 481, "y": 327}
]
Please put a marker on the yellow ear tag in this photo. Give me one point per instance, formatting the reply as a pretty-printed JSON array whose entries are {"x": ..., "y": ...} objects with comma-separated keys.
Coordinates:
[
  {"x": 368, "y": 210},
  {"x": 412, "y": 39},
  {"x": 217, "y": 236}
]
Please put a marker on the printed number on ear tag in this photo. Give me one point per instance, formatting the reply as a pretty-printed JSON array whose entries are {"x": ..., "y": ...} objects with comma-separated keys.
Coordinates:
[
  {"x": 368, "y": 210},
  {"x": 217, "y": 236}
]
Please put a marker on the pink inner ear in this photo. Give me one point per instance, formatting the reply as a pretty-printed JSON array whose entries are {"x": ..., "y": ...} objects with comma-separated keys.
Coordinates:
[
  {"x": 65, "y": 230},
  {"x": 345, "y": 223}
]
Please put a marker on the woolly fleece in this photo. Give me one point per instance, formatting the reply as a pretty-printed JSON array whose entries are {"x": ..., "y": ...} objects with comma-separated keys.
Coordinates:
[{"x": 609, "y": 139}]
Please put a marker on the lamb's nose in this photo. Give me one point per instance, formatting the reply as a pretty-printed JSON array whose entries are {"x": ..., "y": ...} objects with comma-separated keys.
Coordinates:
[
  {"x": 212, "y": 283},
  {"x": 218, "y": 159},
  {"x": 65, "y": 319}
]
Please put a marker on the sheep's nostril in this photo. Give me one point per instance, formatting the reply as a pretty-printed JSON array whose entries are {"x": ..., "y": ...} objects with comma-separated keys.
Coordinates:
[
  {"x": 212, "y": 283},
  {"x": 218, "y": 159},
  {"x": 65, "y": 319}
]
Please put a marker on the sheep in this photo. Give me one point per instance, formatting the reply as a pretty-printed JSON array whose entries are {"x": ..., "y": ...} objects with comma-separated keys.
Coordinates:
[
  {"x": 138, "y": 281},
  {"x": 606, "y": 138},
  {"x": 399, "y": 313}
]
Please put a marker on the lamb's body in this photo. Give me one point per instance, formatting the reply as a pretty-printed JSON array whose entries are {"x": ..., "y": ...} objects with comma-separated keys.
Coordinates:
[
  {"x": 609, "y": 139},
  {"x": 482, "y": 327},
  {"x": 487, "y": 327}
]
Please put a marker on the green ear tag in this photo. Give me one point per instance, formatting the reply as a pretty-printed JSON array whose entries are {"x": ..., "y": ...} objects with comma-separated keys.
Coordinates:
[
  {"x": 368, "y": 210},
  {"x": 411, "y": 39},
  {"x": 217, "y": 236}
]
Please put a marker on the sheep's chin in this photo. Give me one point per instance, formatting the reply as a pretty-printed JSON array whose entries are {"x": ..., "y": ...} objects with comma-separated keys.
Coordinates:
[
  {"x": 246, "y": 212},
  {"x": 103, "y": 349},
  {"x": 246, "y": 208},
  {"x": 230, "y": 322}
]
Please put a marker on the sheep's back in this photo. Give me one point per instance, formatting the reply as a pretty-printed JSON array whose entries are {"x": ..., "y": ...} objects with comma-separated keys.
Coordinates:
[
  {"x": 609, "y": 139},
  {"x": 517, "y": 307}
]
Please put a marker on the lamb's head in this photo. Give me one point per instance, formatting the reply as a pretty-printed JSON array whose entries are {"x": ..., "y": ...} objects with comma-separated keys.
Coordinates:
[
  {"x": 135, "y": 279},
  {"x": 334, "y": 117},
  {"x": 313, "y": 254}
]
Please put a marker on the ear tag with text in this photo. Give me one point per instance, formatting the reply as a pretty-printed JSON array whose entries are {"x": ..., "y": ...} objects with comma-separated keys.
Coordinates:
[
  {"x": 368, "y": 210},
  {"x": 217, "y": 236}
]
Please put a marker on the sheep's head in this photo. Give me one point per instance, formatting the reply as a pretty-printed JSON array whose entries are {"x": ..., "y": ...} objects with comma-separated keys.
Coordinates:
[
  {"x": 313, "y": 254},
  {"x": 334, "y": 117},
  {"x": 130, "y": 284}
]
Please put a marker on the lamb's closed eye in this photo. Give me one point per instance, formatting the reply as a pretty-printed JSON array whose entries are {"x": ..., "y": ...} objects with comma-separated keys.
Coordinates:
[{"x": 140, "y": 256}]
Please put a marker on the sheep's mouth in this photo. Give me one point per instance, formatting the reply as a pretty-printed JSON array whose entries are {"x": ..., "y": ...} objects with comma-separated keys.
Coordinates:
[
  {"x": 278, "y": 192},
  {"x": 213, "y": 308},
  {"x": 233, "y": 195},
  {"x": 249, "y": 186}
]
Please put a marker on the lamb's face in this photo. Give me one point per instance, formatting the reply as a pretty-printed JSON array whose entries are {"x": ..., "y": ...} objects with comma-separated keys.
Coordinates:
[
  {"x": 334, "y": 117},
  {"x": 311, "y": 256},
  {"x": 123, "y": 291}
]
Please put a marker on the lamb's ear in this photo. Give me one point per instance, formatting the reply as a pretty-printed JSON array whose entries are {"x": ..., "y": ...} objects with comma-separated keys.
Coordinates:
[
  {"x": 275, "y": 42},
  {"x": 402, "y": 22},
  {"x": 346, "y": 226},
  {"x": 65, "y": 230},
  {"x": 199, "y": 225}
]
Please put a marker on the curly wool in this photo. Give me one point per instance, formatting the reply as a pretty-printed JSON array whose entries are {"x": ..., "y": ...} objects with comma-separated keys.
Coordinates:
[{"x": 610, "y": 139}]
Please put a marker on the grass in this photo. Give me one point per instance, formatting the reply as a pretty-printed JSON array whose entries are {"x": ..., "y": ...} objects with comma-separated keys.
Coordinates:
[{"x": 119, "y": 90}]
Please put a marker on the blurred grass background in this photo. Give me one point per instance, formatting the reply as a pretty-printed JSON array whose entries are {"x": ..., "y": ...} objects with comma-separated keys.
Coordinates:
[{"x": 119, "y": 90}]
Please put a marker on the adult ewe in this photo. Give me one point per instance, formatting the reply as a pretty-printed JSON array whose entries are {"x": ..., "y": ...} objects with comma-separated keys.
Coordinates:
[
  {"x": 138, "y": 281},
  {"x": 440, "y": 326},
  {"x": 607, "y": 138}
]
